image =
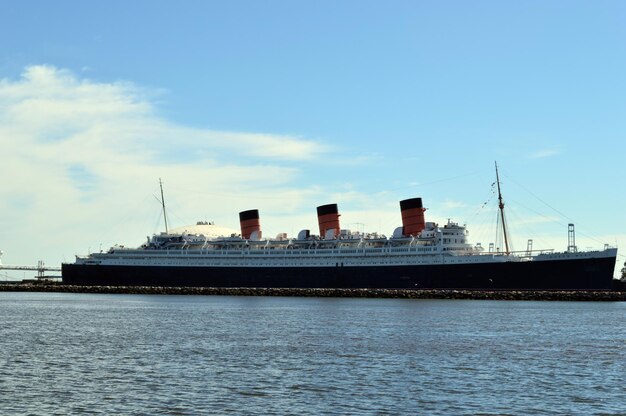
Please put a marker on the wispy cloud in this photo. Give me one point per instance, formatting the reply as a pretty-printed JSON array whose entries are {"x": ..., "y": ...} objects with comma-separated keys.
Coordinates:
[
  {"x": 452, "y": 205},
  {"x": 543, "y": 153},
  {"x": 271, "y": 146},
  {"x": 79, "y": 152}
]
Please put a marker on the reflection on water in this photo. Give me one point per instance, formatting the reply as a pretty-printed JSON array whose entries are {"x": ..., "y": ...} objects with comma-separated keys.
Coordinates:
[{"x": 127, "y": 354}]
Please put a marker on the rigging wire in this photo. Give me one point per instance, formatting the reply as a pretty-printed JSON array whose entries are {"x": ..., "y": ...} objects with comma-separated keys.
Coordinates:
[
  {"x": 131, "y": 216},
  {"x": 157, "y": 223},
  {"x": 552, "y": 208},
  {"x": 414, "y": 185},
  {"x": 386, "y": 190},
  {"x": 539, "y": 199},
  {"x": 513, "y": 212}
]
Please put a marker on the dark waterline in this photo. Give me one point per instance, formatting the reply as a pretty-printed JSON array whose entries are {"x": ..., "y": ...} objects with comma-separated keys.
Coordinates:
[{"x": 131, "y": 354}]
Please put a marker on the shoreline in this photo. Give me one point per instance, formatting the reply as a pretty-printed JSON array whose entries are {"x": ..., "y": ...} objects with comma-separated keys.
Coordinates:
[{"x": 547, "y": 295}]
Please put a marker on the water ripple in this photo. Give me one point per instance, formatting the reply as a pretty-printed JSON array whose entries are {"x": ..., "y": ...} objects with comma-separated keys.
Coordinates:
[{"x": 176, "y": 355}]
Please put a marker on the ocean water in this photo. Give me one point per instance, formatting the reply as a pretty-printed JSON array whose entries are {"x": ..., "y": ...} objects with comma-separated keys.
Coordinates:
[{"x": 186, "y": 355}]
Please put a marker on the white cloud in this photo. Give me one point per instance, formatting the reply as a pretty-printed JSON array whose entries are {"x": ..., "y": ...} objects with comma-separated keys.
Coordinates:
[{"x": 80, "y": 155}]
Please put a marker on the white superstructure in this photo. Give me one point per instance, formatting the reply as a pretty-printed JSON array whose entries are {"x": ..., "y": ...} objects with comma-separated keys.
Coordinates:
[{"x": 434, "y": 245}]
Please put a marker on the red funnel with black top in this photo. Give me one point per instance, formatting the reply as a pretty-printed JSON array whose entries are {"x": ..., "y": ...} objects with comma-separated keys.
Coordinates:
[
  {"x": 249, "y": 221},
  {"x": 328, "y": 219},
  {"x": 412, "y": 216}
]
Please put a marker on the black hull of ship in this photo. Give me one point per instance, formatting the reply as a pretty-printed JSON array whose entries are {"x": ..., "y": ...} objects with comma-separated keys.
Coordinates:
[{"x": 567, "y": 274}]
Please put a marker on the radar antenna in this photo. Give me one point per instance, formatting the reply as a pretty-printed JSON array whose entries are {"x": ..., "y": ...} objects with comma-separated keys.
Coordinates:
[{"x": 501, "y": 206}]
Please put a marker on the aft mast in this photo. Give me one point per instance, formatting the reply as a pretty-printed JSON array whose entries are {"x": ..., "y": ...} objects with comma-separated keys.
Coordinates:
[
  {"x": 163, "y": 205},
  {"x": 501, "y": 206}
]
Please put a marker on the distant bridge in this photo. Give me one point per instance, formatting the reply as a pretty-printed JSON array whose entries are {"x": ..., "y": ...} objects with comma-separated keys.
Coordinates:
[{"x": 40, "y": 268}]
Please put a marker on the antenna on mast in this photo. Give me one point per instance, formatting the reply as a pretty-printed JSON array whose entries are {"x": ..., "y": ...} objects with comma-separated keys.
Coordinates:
[
  {"x": 501, "y": 206},
  {"x": 163, "y": 204}
]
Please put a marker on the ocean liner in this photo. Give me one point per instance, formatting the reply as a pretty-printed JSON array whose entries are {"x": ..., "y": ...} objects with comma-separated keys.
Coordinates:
[{"x": 419, "y": 255}]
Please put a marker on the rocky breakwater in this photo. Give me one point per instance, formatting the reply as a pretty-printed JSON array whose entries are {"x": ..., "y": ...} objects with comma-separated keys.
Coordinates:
[{"x": 552, "y": 295}]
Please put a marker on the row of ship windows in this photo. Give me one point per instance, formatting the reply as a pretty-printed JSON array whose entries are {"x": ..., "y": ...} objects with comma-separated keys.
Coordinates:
[
  {"x": 290, "y": 252},
  {"x": 328, "y": 263},
  {"x": 300, "y": 260}
]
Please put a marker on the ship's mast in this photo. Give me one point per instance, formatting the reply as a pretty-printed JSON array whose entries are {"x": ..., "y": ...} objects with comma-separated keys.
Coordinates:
[
  {"x": 501, "y": 206},
  {"x": 163, "y": 204}
]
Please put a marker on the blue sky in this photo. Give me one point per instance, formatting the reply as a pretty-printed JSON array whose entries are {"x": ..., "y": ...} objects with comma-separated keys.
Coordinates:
[{"x": 284, "y": 106}]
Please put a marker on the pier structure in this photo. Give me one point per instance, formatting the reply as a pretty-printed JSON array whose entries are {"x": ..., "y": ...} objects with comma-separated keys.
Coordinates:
[{"x": 40, "y": 268}]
